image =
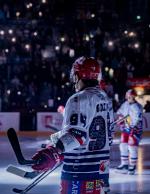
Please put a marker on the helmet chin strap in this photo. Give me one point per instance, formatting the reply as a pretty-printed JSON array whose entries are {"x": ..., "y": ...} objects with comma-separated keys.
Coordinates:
[{"x": 76, "y": 85}]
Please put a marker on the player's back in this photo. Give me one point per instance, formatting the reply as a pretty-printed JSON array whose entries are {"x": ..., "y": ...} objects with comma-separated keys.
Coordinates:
[{"x": 91, "y": 159}]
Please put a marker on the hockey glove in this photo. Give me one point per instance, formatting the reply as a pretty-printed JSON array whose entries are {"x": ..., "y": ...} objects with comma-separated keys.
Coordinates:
[{"x": 46, "y": 159}]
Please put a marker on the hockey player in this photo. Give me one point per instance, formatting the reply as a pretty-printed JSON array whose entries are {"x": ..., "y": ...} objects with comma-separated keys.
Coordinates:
[
  {"x": 131, "y": 132},
  {"x": 84, "y": 138}
]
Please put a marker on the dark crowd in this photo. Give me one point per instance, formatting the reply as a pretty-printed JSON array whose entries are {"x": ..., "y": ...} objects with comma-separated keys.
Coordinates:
[{"x": 40, "y": 39}]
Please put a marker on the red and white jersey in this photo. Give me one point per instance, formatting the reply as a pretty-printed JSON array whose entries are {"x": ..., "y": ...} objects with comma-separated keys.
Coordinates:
[
  {"x": 88, "y": 113},
  {"x": 135, "y": 112}
]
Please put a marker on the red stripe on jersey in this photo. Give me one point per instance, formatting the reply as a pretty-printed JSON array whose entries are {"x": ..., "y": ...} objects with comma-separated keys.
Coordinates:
[{"x": 80, "y": 140}]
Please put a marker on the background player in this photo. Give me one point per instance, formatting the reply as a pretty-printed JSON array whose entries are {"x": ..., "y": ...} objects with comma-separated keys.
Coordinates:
[
  {"x": 84, "y": 139},
  {"x": 131, "y": 132}
]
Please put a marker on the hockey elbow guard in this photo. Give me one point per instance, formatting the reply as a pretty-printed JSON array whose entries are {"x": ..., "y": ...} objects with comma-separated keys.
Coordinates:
[{"x": 71, "y": 140}]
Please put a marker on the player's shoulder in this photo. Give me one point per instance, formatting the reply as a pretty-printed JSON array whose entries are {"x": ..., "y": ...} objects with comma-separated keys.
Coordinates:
[
  {"x": 137, "y": 105},
  {"x": 75, "y": 98},
  {"x": 125, "y": 103},
  {"x": 97, "y": 91}
]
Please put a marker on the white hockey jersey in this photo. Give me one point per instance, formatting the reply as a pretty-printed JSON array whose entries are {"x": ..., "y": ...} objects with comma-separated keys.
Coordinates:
[
  {"x": 135, "y": 112},
  {"x": 90, "y": 112}
]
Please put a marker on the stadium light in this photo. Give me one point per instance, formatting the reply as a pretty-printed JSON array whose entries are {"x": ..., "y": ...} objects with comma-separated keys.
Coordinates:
[
  {"x": 27, "y": 46},
  {"x": 40, "y": 14},
  {"x": 110, "y": 43},
  {"x": 17, "y": 13},
  {"x": 111, "y": 72},
  {"x": 136, "y": 45},
  {"x": 87, "y": 38},
  {"x": 35, "y": 33},
  {"x": 13, "y": 39},
  {"x": 57, "y": 48},
  {"x": 91, "y": 35},
  {"x": 132, "y": 34},
  {"x": 19, "y": 93},
  {"x": 10, "y": 31},
  {"x": 45, "y": 105},
  {"x": 71, "y": 53},
  {"x": 43, "y": 1},
  {"x": 62, "y": 39},
  {"x": 2, "y": 32},
  {"x": 126, "y": 32},
  {"x": 106, "y": 69},
  {"x": 138, "y": 17},
  {"x": 6, "y": 51},
  {"x": 8, "y": 92},
  {"x": 92, "y": 15}
]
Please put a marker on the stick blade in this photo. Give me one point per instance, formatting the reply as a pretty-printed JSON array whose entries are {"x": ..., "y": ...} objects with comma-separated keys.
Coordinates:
[{"x": 22, "y": 173}]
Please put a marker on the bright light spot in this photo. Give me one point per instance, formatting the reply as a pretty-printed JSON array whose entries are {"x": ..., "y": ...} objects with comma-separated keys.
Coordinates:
[
  {"x": 92, "y": 15},
  {"x": 2, "y": 32},
  {"x": 106, "y": 69},
  {"x": 27, "y": 46},
  {"x": 57, "y": 48},
  {"x": 62, "y": 39},
  {"x": 139, "y": 90},
  {"x": 43, "y": 1},
  {"x": 132, "y": 34},
  {"x": 138, "y": 17},
  {"x": 35, "y": 33},
  {"x": 67, "y": 83},
  {"x": 62, "y": 86},
  {"x": 6, "y": 51},
  {"x": 8, "y": 92},
  {"x": 10, "y": 31},
  {"x": 116, "y": 97},
  {"x": 45, "y": 105},
  {"x": 149, "y": 25},
  {"x": 19, "y": 93},
  {"x": 87, "y": 38},
  {"x": 111, "y": 72},
  {"x": 136, "y": 45},
  {"x": 30, "y": 4},
  {"x": 17, "y": 13},
  {"x": 40, "y": 14},
  {"x": 126, "y": 32},
  {"x": 110, "y": 43},
  {"x": 13, "y": 39},
  {"x": 91, "y": 35},
  {"x": 58, "y": 98},
  {"x": 71, "y": 52}
]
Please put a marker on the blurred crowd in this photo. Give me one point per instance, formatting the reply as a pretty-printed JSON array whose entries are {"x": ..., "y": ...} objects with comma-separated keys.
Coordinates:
[{"x": 39, "y": 40}]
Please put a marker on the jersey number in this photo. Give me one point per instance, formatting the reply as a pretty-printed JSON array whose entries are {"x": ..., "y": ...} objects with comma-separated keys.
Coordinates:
[{"x": 97, "y": 134}]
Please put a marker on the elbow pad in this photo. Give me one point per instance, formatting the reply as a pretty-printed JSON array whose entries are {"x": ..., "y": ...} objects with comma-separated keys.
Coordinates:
[{"x": 71, "y": 140}]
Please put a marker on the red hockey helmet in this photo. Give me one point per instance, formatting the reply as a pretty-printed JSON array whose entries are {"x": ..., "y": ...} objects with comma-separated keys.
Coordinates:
[
  {"x": 131, "y": 92},
  {"x": 86, "y": 68}
]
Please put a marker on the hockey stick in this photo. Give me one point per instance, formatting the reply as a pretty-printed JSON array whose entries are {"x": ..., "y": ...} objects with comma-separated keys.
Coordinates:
[
  {"x": 34, "y": 183},
  {"x": 22, "y": 173},
  {"x": 119, "y": 120},
  {"x": 13, "y": 139}
]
